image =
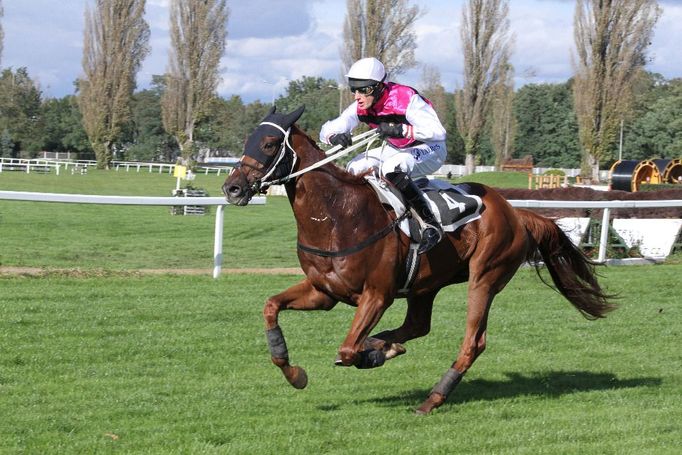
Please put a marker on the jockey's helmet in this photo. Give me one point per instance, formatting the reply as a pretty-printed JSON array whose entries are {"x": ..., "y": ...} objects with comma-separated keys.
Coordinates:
[{"x": 366, "y": 72}]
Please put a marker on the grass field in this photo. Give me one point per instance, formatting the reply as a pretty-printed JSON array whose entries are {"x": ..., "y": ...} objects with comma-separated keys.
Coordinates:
[
  {"x": 101, "y": 360},
  {"x": 54, "y": 235},
  {"x": 179, "y": 364}
]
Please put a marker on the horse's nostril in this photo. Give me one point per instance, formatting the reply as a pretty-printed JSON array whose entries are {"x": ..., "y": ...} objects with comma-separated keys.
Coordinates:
[{"x": 234, "y": 190}]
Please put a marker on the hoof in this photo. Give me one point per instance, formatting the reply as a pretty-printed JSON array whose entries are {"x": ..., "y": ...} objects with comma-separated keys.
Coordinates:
[
  {"x": 432, "y": 402},
  {"x": 395, "y": 350},
  {"x": 296, "y": 376}
]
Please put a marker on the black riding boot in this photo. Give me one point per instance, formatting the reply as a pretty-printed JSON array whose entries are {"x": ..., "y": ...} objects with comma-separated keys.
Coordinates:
[{"x": 432, "y": 233}]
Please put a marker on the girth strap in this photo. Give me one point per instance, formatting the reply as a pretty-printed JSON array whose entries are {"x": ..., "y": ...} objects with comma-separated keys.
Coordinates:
[{"x": 360, "y": 246}]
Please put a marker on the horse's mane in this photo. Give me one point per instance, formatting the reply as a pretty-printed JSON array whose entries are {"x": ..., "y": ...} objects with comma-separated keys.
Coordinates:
[{"x": 330, "y": 168}]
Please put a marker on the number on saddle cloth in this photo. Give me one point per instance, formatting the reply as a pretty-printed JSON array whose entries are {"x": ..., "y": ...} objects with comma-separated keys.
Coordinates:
[{"x": 452, "y": 205}]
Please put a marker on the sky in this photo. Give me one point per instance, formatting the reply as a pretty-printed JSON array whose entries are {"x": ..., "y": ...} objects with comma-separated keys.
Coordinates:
[{"x": 271, "y": 42}]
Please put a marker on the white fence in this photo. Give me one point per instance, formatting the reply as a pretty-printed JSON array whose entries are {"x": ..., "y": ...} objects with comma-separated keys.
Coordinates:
[
  {"x": 220, "y": 203},
  {"x": 214, "y": 165},
  {"x": 48, "y": 165},
  {"x": 606, "y": 205}
]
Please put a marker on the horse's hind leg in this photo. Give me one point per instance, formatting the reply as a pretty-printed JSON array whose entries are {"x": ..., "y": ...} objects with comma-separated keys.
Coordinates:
[
  {"x": 417, "y": 324},
  {"x": 473, "y": 345}
]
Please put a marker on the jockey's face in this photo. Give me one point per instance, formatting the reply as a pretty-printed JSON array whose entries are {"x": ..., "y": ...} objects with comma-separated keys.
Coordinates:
[
  {"x": 365, "y": 96},
  {"x": 364, "y": 101}
]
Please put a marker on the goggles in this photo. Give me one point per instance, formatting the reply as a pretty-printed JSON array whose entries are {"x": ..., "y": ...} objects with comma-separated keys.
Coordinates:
[{"x": 368, "y": 90}]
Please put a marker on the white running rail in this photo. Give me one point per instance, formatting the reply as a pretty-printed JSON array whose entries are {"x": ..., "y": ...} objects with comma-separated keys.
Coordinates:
[{"x": 219, "y": 202}]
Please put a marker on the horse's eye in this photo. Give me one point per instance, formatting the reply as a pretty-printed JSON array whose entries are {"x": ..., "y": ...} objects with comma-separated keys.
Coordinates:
[{"x": 270, "y": 145}]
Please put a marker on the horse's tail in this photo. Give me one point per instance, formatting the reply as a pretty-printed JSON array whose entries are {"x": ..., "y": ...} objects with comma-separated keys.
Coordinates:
[{"x": 572, "y": 272}]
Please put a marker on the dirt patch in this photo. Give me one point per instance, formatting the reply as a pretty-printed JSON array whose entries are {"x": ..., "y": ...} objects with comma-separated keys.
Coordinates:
[{"x": 37, "y": 272}]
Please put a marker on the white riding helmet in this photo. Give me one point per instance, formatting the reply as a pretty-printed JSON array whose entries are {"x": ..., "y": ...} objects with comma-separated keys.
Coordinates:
[{"x": 365, "y": 72}]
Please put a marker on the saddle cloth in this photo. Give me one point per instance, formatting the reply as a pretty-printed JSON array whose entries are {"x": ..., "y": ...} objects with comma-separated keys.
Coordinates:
[{"x": 452, "y": 205}]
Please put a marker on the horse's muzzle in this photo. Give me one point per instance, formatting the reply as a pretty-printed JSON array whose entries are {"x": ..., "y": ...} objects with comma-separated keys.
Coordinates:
[{"x": 237, "y": 194}]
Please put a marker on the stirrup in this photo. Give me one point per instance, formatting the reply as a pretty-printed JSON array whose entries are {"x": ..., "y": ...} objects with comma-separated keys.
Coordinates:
[{"x": 431, "y": 236}]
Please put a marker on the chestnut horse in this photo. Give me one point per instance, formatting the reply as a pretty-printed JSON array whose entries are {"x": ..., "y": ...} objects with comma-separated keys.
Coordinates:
[{"x": 351, "y": 251}]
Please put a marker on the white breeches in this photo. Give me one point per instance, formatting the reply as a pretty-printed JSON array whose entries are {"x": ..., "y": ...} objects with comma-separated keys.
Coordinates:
[{"x": 417, "y": 161}]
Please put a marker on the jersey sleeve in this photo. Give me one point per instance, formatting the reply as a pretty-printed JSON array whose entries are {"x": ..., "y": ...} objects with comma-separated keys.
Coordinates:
[
  {"x": 344, "y": 123},
  {"x": 424, "y": 124}
]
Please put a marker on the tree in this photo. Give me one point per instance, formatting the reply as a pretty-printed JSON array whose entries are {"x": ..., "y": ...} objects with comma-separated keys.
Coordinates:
[
  {"x": 115, "y": 42},
  {"x": 6, "y": 144},
  {"x": 20, "y": 115},
  {"x": 147, "y": 139},
  {"x": 546, "y": 125},
  {"x": 63, "y": 126},
  {"x": 502, "y": 121},
  {"x": 198, "y": 33},
  {"x": 486, "y": 47},
  {"x": 658, "y": 132},
  {"x": 320, "y": 97},
  {"x": 382, "y": 29},
  {"x": 611, "y": 38},
  {"x": 444, "y": 105}
]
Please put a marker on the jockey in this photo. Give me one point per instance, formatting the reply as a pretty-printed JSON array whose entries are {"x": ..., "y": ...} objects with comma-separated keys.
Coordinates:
[{"x": 415, "y": 137}]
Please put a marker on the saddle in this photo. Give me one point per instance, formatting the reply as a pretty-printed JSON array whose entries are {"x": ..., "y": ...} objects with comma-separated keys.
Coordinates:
[{"x": 452, "y": 206}]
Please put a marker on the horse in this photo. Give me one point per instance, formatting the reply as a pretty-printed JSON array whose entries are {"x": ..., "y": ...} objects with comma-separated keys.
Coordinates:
[{"x": 351, "y": 251}]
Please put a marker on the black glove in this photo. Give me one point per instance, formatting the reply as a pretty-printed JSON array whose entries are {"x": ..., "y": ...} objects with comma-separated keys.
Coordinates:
[
  {"x": 343, "y": 139},
  {"x": 390, "y": 130}
]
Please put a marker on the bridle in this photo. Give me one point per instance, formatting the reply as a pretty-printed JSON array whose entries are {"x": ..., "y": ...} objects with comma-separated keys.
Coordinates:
[
  {"x": 261, "y": 184},
  {"x": 282, "y": 157}
]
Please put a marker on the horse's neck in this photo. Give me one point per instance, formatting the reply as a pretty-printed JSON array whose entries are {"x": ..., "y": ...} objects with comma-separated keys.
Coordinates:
[{"x": 330, "y": 192}]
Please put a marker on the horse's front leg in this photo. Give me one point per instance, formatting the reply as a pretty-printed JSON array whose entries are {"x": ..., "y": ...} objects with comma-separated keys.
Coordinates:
[
  {"x": 302, "y": 296},
  {"x": 356, "y": 349}
]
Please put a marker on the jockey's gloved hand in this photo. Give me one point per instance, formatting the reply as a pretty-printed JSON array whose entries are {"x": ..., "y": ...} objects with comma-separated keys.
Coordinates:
[
  {"x": 390, "y": 130},
  {"x": 343, "y": 139}
]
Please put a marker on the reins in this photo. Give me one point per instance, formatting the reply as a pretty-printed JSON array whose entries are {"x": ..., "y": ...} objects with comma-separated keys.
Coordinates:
[
  {"x": 338, "y": 151},
  {"x": 335, "y": 152}
]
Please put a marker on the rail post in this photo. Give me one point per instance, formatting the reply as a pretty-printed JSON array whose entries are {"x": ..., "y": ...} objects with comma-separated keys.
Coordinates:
[
  {"x": 218, "y": 241},
  {"x": 604, "y": 235}
]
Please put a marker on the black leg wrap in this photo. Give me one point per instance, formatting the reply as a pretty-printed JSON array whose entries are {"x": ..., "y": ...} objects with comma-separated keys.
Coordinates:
[
  {"x": 371, "y": 358},
  {"x": 276, "y": 343},
  {"x": 450, "y": 379}
]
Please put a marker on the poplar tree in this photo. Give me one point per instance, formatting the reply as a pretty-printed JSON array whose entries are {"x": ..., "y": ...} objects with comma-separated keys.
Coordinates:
[
  {"x": 116, "y": 39},
  {"x": 486, "y": 46},
  {"x": 383, "y": 29},
  {"x": 502, "y": 120},
  {"x": 198, "y": 32},
  {"x": 611, "y": 37}
]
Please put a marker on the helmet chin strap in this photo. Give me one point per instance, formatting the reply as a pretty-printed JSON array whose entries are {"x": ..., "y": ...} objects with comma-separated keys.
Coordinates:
[{"x": 381, "y": 87}]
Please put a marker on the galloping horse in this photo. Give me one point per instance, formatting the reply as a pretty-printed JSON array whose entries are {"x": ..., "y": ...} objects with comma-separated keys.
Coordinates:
[{"x": 351, "y": 251}]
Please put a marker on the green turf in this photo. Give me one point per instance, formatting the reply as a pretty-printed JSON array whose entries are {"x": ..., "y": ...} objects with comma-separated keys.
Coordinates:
[
  {"x": 178, "y": 364},
  {"x": 57, "y": 235},
  {"x": 497, "y": 179},
  {"x": 101, "y": 361}
]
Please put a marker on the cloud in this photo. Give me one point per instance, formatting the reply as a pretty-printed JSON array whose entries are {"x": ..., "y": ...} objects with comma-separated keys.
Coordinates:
[
  {"x": 267, "y": 19},
  {"x": 281, "y": 40}
]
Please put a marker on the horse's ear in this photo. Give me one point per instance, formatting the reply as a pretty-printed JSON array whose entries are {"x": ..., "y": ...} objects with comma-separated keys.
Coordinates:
[
  {"x": 271, "y": 111},
  {"x": 291, "y": 118}
]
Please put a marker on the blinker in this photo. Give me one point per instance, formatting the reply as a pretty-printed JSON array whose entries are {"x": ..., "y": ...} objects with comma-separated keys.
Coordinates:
[{"x": 252, "y": 148}]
